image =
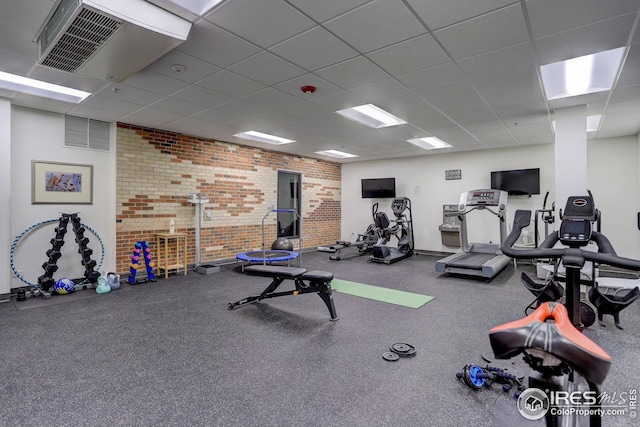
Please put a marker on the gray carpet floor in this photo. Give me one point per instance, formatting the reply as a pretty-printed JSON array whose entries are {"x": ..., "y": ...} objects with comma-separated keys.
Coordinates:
[{"x": 170, "y": 353}]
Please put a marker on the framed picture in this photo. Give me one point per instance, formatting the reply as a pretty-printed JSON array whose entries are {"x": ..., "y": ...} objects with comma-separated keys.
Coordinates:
[{"x": 61, "y": 183}]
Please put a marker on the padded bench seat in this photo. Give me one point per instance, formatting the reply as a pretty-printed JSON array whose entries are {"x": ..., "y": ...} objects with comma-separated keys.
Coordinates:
[{"x": 316, "y": 281}]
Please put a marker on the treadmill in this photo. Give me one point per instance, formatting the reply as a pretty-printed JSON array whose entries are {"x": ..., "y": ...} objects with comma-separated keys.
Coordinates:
[{"x": 478, "y": 259}]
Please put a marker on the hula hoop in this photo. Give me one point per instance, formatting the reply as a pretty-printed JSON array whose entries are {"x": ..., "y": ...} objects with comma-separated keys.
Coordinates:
[{"x": 39, "y": 224}]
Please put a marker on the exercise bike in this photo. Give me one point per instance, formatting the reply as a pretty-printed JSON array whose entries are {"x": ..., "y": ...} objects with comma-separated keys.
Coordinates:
[{"x": 551, "y": 338}]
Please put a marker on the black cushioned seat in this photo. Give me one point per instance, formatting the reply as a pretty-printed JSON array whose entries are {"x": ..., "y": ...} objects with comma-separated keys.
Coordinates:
[
  {"x": 274, "y": 271},
  {"x": 317, "y": 276}
]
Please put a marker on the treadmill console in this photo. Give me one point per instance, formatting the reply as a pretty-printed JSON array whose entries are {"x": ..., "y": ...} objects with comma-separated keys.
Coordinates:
[{"x": 484, "y": 198}]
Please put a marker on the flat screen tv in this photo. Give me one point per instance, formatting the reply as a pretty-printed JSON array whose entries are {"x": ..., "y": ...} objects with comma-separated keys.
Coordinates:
[
  {"x": 517, "y": 182},
  {"x": 378, "y": 188}
]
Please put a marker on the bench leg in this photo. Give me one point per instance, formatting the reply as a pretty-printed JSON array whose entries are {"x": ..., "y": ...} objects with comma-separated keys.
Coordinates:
[
  {"x": 327, "y": 296},
  {"x": 267, "y": 293}
]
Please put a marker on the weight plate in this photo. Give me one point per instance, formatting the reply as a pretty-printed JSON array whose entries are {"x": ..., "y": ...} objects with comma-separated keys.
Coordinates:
[
  {"x": 403, "y": 349},
  {"x": 390, "y": 356}
]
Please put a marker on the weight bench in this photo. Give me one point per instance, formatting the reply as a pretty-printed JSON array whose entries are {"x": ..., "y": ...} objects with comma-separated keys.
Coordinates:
[{"x": 305, "y": 282}]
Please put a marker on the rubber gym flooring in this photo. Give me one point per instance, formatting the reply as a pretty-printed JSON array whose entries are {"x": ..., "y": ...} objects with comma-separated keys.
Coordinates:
[{"x": 170, "y": 353}]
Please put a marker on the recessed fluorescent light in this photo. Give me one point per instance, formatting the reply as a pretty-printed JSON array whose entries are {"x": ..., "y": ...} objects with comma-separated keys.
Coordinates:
[
  {"x": 371, "y": 115},
  {"x": 593, "y": 123},
  {"x": 430, "y": 143},
  {"x": 263, "y": 137},
  {"x": 21, "y": 84},
  {"x": 582, "y": 75},
  {"x": 336, "y": 153}
]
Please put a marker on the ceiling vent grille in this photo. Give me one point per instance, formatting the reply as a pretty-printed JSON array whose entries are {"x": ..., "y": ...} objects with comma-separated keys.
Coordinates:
[
  {"x": 87, "y": 133},
  {"x": 107, "y": 39},
  {"x": 83, "y": 38}
]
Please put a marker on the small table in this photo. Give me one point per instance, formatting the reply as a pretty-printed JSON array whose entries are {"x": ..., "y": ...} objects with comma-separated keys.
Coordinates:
[{"x": 162, "y": 240}]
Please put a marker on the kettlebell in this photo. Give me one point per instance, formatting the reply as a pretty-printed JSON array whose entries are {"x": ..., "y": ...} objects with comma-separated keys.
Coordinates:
[
  {"x": 103, "y": 287},
  {"x": 114, "y": 280}
]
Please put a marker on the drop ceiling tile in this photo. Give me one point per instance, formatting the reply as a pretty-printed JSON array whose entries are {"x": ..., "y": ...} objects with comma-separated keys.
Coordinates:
[
  {"x": 231, "y": 84},
  {"x": 267, "y": 68},
  {"x": 303, "y": 109},
  {"x": 326, "y": 9},
  {"x": 410, "y": 55},
  {"x": 240, "y": 108},
  {"x": 550, "y": 16},
  {"x": 380, "y": 90},
  {"x": 271, "y": 98},
  {"x": 496, "y": 30},
  {"x": 454, "y": 95},
  {"x": 216, "y": 46},
  {"x": 630, "y": 75},
  {"x": 521, "y": 87},
  {"x": 502, "y": 61},
  {"x": 246, "y": 18},
  {"x": 110, "y": 104},
  {"x": 83, "y": 110},
  {"x": 271, "y": 121},
  {"x": 191, "y": 123},
  {"x": 598, "y": 37},
  {"x": 437, "y": 13},
  {"x": 130, "y": 94},
  {"x": 626, "y": 93},
  {"x": 432, "y": 78},
  {"x": 177, "y": 106},
  {"x": 201, "y": 96},
  {"x": 216, "y": 116},
  {"x": 194, "y": 69},
  {"x": 337, "y": 100},
  {"x": 314, "y": 49},
  {"x": 353, "y": 72},
  {"x": 376, "y": 25},
  {"x": 155, "y": 114},
  {"x": 155, "y": 82}
]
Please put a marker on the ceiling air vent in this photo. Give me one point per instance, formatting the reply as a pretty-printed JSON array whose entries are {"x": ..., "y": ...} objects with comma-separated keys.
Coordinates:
[{"x": 107, "y": 39}]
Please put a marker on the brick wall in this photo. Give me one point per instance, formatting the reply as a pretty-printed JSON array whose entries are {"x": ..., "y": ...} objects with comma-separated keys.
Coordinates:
[{"x": 156, "y": 170}]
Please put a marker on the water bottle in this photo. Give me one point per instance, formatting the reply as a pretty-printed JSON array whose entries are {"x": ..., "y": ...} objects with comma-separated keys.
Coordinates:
[{"x": 172, "y": 227}]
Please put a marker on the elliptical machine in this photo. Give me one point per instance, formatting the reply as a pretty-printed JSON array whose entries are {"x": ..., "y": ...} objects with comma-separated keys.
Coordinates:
[{"x": 401, "y": 228}]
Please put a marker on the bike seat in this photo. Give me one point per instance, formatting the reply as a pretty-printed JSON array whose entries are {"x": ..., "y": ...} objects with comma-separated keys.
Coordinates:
[{"x": 549, "y": 330}]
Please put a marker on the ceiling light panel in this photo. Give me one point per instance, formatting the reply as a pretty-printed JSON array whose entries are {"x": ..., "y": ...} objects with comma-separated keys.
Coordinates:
[
  {"x": 336, "y": 153},
  {"x": 21, "y": 84},
  {"x": 372, "y": 116},
  {"x": 582, "y": 75},
  {"x": 263, "y": 137},
  {"x": 430, "y": 143}
]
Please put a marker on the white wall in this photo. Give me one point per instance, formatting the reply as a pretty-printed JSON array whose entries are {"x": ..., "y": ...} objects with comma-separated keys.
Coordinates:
[
  {"x": 39, "y": 135},
  {"x": 422, "y": 179},
  {"x": 5, "y": 193}
]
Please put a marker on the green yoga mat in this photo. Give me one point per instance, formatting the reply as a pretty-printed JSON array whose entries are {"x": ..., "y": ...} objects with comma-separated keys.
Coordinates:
[{"x": 377, "y": 293}]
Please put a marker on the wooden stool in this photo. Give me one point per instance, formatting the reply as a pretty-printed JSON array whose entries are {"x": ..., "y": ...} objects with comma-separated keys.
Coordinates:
[{"x": 162, "y": 261}]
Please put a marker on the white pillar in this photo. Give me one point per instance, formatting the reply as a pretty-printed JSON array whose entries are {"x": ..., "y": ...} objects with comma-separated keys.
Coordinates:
[
  {"x": 570, "y": 153},
  {"x": 5, "y": 196}
]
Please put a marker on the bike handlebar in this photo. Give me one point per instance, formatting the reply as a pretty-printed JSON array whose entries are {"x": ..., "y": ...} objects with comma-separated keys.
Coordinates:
[{"x": 572, "y": 256}]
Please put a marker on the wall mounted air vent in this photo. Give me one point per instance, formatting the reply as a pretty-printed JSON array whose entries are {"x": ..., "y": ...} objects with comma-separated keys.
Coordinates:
[{"x": 107, "y": 39}]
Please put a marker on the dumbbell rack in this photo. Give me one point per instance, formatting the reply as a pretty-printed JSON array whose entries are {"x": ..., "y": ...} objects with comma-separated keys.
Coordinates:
[
  {"x": 46, "y": 281},
  {"x": 141, "y": 249}
]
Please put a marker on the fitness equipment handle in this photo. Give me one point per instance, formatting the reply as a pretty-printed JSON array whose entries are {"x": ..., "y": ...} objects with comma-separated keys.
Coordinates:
[{"x": 606, "y": 253}]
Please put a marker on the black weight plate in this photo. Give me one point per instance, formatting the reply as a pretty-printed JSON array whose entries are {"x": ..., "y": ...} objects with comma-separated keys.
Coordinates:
[
  {"x": 390, "y": 356},
  {"x": 402, "y": 349}
]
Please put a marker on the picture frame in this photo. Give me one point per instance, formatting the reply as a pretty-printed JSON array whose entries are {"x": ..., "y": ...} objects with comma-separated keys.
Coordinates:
[{"x": 61, "y": 183}]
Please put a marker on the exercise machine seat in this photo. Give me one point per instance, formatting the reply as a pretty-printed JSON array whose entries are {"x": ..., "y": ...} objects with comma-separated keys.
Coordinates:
[
  {"x": 549, "y": 329},
  {"x": 381, "y": 221},
  {"x": 275, "y": 271}
]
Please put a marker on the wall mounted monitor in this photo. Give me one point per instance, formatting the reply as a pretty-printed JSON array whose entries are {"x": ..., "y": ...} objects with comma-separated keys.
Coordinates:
[
  {"x": 517, "y": 182},
  {"x": 378, "y": 188}
]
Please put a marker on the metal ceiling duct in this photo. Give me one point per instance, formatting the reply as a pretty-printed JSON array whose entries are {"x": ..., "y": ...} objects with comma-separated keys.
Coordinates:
[{"x": 107, "y": 39}]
